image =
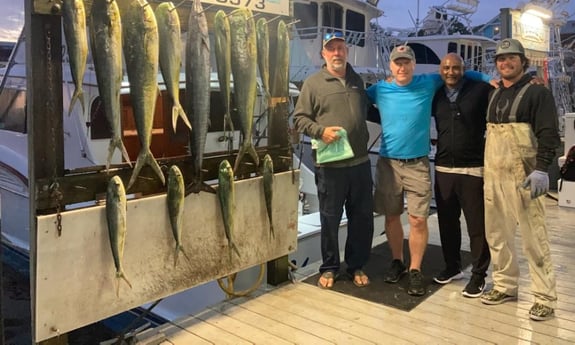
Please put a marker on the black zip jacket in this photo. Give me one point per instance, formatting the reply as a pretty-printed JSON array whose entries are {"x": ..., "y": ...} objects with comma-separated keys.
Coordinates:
[
  {"x": 537, "y": 107},
  {"x": 461, "y": 125}
]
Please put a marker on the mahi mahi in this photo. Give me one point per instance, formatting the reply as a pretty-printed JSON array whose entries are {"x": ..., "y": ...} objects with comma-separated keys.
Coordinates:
[
  {"x": 116, "y": 210},
  {"x": 198, "y": 89},
  {"x": 106, "y": 44},
  {"x": 175, "y": 201},
  {"x": 280, "y": 87},
  {"x": 74, "y": 18},
  {"x": 224, "y": 62},
  {"x": 226, "y": 195},
  {"x": 244, "y": 71},
  {"x": 268, "y": 178},
  {"x": 141, "y": 51},
  {"x": 171, "y": 56},
  {"x": 263, "y": 42}
]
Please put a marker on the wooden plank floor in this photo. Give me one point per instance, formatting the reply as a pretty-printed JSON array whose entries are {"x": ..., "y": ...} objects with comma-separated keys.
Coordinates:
[{"x": 303, "y": 314}]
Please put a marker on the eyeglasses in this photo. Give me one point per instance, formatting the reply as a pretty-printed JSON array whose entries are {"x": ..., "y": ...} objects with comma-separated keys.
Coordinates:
[
  {"x": 454, "y": 110},
  {"x": 335, "y": 34}
]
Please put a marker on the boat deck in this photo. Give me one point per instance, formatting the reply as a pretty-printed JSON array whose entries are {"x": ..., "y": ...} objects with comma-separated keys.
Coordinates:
[{"x": 304, "y": 314}]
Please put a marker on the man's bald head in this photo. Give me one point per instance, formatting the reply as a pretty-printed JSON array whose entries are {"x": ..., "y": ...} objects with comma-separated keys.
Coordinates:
[{"x": 451, "y": 69}]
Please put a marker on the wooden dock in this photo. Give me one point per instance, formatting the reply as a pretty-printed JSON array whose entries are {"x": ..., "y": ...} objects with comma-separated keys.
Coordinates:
[{"x": 303, "y": 314}]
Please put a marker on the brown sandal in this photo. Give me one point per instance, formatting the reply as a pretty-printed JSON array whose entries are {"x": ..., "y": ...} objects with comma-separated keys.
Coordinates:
[
  {"x": 329, "y": 277},
  {"x": 358, "y": 276}
]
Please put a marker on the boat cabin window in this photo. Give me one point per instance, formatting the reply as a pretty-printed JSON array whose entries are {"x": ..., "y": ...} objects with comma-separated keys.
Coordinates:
[
  {"x": 471, "y": 55},
  {"x": 13, "y": 110},
  {"x": 307, "y": 15},
  {"x": 424, "y": 55},
  {"x": 332, "y": 15},
  {"x": 355, "y": 28}
]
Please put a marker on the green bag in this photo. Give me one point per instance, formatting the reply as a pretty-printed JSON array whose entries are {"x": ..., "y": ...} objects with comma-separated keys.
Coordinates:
[{"x": 336, "y": 151}]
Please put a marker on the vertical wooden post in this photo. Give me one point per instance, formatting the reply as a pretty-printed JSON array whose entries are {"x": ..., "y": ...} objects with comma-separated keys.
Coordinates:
[{"x": 43, "y": 32}]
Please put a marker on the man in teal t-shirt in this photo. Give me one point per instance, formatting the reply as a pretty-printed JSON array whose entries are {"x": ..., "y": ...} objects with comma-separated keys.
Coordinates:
[{"x": 403, "y": 166}]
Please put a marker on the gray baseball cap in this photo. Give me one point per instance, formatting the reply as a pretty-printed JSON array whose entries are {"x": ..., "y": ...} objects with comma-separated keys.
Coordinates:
[
  {"x": 509, "y": 46},
  {"x": 403, "y": 51}
]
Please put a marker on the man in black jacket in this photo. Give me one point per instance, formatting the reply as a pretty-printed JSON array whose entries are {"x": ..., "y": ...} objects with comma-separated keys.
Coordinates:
[{"x": 459, "y": 109}]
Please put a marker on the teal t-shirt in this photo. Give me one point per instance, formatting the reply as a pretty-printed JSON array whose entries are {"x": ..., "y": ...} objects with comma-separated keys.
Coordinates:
[{"x": 405, "y": 113}]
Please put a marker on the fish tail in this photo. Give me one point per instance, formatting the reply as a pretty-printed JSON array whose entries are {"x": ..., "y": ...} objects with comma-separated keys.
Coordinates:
[
  {"x": 155, "y": 166},
  {"x": 178, "y": 111},
  {"x": 228, "y": 123},
  {"x": 139, "y": 164},
  {"x": 77, "y": 96},
  {"x": 235, "y": 249},
  {"x": 177, "y": 251},
  {"x": 253, "y": 153},
  {"x": 117, "y": 143},
  {"x": 239, "y": 157},
  {"x": 121, "y": 275},
  {"x": 272, "y": 229}
]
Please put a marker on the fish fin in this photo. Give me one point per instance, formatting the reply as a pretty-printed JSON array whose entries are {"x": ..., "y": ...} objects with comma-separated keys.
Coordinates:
[
  {"x": 178, "y": 111},
  {"x": 176, "y": 252},
  {"x": 77, "y": 96},
  {"x": 228, "y": 123},
  {"x": 199, "y": 186},
  {"x": 272, "y": 229}
]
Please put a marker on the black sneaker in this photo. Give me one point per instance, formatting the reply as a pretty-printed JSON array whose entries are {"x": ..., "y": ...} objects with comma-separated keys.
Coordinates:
[
  {"x": 416, "y": 287},
  {"x": 395, "y": 272},
  {"x": 446, "y": 276},
  {"x": 475, "y": 287}
]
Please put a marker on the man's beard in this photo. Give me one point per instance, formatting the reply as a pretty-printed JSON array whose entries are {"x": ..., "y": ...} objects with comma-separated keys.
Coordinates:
[{"x": 338, "y": 65}]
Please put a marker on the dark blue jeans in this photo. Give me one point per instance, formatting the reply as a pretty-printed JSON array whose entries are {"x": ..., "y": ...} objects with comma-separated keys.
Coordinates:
[{"x": 350, "y": 188}]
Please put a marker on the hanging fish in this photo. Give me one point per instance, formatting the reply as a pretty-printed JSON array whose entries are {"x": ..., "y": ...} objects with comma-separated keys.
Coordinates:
[
  {"x": 74, "y": 19},
  {"x": 268, "y": 178},
  {"x": 171, "y": 56},
  {"x": 280, "y": 86},
  {"x": 224, "y": 62},
  {"x": 263, "y": 44},
  {"x": 116, "y": 211},
  {"x": 175, "y": 201},
  {"x": 198, "y": 90},
  {"x": 244, "y": 71},
  {"x": 226, "y": 196},
  {"x": 141, "y": 51},
  {"x": 106, "y": 44}
]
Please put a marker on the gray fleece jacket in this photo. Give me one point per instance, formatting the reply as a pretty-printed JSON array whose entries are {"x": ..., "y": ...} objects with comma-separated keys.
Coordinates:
[{"x": 325, "y": 101}]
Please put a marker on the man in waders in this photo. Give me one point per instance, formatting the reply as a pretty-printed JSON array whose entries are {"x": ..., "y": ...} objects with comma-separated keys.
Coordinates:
[{"x": 521, "y": 141}]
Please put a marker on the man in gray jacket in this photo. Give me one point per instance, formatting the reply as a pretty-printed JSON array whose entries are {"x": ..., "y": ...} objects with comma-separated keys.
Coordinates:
[{"x": 330, "y": 100}]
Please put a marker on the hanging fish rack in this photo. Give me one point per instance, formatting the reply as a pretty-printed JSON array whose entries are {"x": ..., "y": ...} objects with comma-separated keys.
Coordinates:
[{"x": 75, "y": 253}]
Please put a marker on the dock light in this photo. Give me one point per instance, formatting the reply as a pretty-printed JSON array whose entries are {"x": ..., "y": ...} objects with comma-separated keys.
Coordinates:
[{"x": 537, "y": 11}]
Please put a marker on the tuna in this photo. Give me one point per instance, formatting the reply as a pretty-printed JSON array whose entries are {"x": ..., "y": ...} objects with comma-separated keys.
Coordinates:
[
  {"x": 226, "y": 196},
  {"x": 198, "y": 89},
  {"x": 171, "y": 56},
  {"x": 268, "y": 178},
  {"x": 106, "y": 44},
  {"x": 224, "y": 62},
  {"x": 244, "y": 71},
  {"x": 116, "y": 211},
  {"x": 141, "y": 51},
  {"x": 175, "y": 201},
  {"x": 74, "y": 19}
]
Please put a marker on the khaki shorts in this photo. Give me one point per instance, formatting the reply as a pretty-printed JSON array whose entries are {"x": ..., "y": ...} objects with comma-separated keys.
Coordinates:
[{"x": 393, "y": 178}]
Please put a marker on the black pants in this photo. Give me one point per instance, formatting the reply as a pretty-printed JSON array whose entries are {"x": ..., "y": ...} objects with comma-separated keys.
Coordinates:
[
  {"x": 350, "y": 188},
  {"x": 453, "y": 193}
]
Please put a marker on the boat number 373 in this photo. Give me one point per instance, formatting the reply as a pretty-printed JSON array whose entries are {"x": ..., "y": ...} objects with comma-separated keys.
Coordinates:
[{"x": 258, "y": 4}]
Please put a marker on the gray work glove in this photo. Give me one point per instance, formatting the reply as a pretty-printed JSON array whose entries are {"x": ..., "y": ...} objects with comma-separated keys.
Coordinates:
[{"x": 539, "y": 183}]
